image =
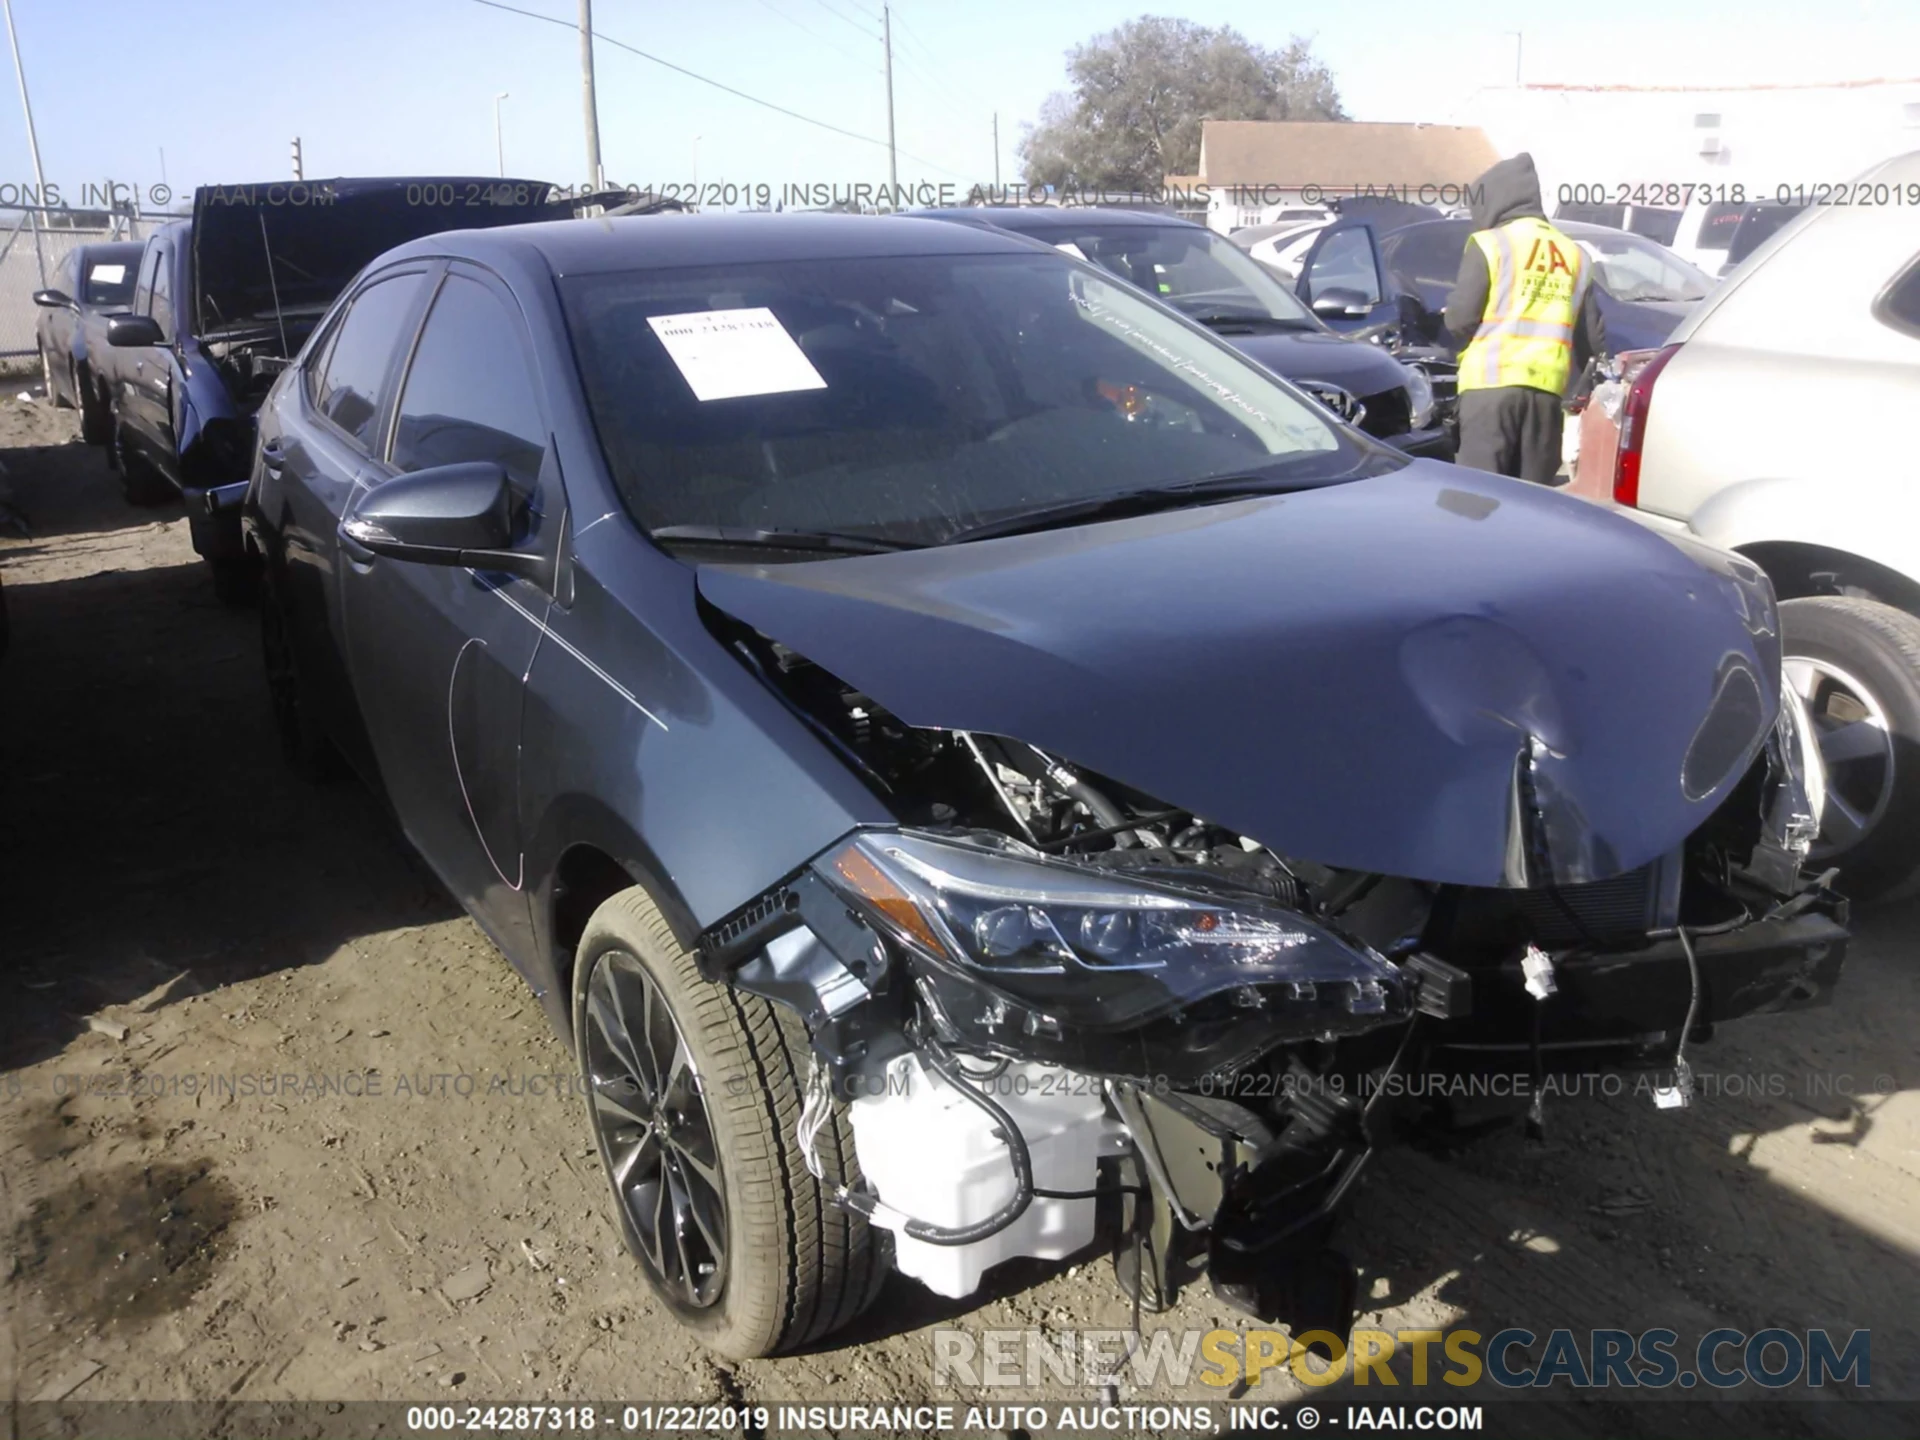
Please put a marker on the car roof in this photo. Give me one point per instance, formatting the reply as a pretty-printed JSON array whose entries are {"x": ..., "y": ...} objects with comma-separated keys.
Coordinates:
[
  {"x": 608, "y": 244},
  {"x": 1036, "y": 219}
]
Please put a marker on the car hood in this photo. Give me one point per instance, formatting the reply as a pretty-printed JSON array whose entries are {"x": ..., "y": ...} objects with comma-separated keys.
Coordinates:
[
  {"x": 1356, "y": 367},
  {"x": 305, "y": 240},
  {"x": 1434, "y": 673}
]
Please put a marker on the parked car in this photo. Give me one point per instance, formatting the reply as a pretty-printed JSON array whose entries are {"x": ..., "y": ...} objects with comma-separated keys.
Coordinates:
[
  {"x": 1706, "y": 230},
  {"x": 1658, "y": 224},
  {"x": 93, "y": 282},
  {"x": 1764, "y": 438},
  {"x": 1211, "y": 279},
  {"x": 953, "y": 744},
  {"x": 1757, "y": 224},
  {"x": 1645, "y": 290},
  {"x": 222, "y": 303}
]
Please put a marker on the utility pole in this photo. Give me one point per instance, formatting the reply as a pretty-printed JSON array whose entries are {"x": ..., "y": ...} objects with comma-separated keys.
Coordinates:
[
  {"x": 299, "y": 168},
  {"x": 1519, "y": 48},
  {"x": 996, "y": 149},
  {"x": 594, "y": 173},
  {"x": 893, "y": 158},
  {"x": 33, "y": 144},
  {"x": 499, "y": 137}
]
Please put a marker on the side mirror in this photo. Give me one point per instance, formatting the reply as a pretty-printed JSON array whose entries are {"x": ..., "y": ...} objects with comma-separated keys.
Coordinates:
[
  {"x": 128, "y": 332},
  {"x": 1338, "y": 302},
  {"x": 54, "y": 299},
  {"x": 447, "y": 515}
]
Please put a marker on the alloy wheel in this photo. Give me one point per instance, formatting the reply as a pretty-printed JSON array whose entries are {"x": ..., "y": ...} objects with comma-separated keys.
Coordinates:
[
  {"x": 655, "y": 1133},
  {"x": 1856, "y": 744}
]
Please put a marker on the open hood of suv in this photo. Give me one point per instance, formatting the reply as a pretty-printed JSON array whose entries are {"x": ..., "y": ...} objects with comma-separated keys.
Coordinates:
[
  {"x": 1434, "y": 673},
  {"x": 308, "y": 238}
]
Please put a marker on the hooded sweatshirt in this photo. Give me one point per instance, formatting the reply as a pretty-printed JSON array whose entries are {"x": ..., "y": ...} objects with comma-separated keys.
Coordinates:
[{"x": 1510, "y": 191}]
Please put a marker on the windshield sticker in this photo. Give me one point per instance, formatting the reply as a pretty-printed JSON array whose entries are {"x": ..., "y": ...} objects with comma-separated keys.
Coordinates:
[
  {"x": 1067, "y": 247},
  {"x": 725, "y": 354},
  {"x": 108, "y": 274}
]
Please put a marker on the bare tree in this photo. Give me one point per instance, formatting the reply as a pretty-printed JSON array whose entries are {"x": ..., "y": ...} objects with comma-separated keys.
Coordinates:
[{"x": 1141, "y": 91}]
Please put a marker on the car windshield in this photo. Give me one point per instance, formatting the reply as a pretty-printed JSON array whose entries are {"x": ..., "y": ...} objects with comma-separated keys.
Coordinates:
[
  {"x": 1633, "y": 268},
  {"x": 1194, "y": 270},
  {"x": 907, "y": 399},
  {"x": 108, "y": 282}
]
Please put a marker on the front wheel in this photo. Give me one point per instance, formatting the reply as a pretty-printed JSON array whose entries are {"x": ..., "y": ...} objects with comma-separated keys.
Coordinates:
[
  {"x": 1857, "y": 665},
  {"x": 694, "y": 1094}
]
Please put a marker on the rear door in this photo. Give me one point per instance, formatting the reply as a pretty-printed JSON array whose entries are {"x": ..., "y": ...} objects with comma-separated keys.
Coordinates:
[
  {"x": 1344, "y": 282},
  {"x": 146, "y": 371},
  {"x": 439, "y": 654},
  {"x": 316, "y": 453}
]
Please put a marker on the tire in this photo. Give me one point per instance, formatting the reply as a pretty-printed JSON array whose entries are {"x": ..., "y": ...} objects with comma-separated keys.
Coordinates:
[
  {"x": 96, "y": 419},
  {"x": 791, "y": 1266},
  {"x": 46, "y": 378},
  {"x": 304, "y": 745},
  {"x": 1857, "y": 663},
  {"x": 140, "y": 481}
]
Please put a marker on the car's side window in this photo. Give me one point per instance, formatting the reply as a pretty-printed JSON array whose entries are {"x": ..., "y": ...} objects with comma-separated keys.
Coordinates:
[
  {"x": 160, "y": 298},
  {"x": 143, "y": 289},
  {"x": 362, "y": 352},
  {"x": 1345, "y": 262},
  {"x": 469, "y": 394},
  {"x": 316, "y": 367}
]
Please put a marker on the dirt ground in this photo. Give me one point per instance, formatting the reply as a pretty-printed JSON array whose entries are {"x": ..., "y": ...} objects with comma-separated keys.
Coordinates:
[{"x": 184, "y": 922}]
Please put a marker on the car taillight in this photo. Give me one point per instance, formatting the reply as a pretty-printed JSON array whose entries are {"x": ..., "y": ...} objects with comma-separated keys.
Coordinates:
[{"x": 1633, "y": 428}]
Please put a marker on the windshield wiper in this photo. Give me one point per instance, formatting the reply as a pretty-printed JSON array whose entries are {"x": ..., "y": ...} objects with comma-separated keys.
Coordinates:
[
  {"x": 828, "y": 540},
  {"x": 1124, "y": 503}
]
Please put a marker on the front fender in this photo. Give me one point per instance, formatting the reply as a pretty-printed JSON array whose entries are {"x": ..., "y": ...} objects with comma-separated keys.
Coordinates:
[{"x": 1869, "y": 516}]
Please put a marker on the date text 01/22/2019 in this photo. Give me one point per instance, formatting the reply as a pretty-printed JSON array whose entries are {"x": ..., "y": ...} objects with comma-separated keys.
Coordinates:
[{"x": 1678, "y": 194}]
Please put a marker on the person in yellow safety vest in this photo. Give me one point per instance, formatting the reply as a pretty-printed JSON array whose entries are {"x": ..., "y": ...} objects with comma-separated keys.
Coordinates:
[{"x": 1523, "y": 307}]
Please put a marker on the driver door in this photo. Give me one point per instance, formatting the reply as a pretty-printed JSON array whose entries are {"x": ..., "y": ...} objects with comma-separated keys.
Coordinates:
[
  {"x": 1344, "y": 282},
  {"x": 439, "y": 654}
]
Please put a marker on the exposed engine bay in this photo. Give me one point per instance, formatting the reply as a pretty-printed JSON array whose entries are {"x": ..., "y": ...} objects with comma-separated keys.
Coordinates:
[
  {"x": 1056, "y": 1006},
  {"x": 250, "y": 360}
]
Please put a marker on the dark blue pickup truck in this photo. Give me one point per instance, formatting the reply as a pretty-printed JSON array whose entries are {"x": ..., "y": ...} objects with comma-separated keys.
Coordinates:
[{"x": 224, "y": 301}]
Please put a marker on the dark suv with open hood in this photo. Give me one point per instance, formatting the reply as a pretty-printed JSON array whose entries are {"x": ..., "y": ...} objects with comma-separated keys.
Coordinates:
[
  {"x": 973, "y": 763},
  {"x": 223, "y": 302}
]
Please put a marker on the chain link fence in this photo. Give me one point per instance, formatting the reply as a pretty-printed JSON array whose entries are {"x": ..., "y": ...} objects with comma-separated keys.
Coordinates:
[{"x": 34, "y": 241}]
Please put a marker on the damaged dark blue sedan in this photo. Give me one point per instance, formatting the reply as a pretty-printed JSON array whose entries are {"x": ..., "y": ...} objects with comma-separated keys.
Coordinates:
[{"x": 978, "y": 769}]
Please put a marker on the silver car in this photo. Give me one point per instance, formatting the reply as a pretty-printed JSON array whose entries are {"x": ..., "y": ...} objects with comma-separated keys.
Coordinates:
[{"x": 1769, "y": 425}]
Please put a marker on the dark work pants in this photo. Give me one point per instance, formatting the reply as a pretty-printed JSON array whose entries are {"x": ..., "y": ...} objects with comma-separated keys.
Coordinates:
[{"x": 1511, "y": 430}]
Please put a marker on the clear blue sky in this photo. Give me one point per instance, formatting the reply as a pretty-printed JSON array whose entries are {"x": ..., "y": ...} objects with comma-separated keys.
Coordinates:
[{"x": 407, "y": 86}]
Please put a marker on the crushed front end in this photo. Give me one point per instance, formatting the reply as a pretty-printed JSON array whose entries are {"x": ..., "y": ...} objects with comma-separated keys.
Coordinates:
[{"x": 1058, "y": 1008}]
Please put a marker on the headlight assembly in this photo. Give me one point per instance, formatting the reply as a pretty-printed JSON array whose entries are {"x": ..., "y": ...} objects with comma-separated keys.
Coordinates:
[
  {"x": 1071, "y": 947},
  {"x": 1419, "y": 396}
]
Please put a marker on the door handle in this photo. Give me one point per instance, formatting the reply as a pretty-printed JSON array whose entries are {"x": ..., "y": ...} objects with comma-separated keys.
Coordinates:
[{"x": 272, "y": 457}]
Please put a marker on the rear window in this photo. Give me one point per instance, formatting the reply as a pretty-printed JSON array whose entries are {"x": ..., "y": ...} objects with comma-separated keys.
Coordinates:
[
  {"x": 1659, "y": 226},
  {"x": 1718, "y": 224},
  {"x": 108, "y": 282},
  {"x": 1614, "y": 216}
]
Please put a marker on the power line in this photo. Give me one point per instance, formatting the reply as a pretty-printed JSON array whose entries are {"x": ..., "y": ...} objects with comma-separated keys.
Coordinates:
[
  {"x": 716, "y": 84},
  {"x": 838, "y": 50},
  {"x": 839, "y": 14}
]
